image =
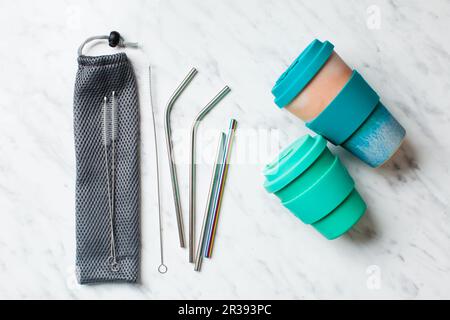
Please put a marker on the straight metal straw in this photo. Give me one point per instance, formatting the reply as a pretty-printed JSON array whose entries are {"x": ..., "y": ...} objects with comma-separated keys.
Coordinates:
[
  {"x": 192, "y": 181},
  {"x": 206, "y": 217},
  {"x": 173, "y": 170},
  {"x": 162, "y": 268}
]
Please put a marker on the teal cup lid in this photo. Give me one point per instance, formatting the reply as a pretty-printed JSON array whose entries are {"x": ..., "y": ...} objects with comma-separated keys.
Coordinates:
[
  {"x": 293, "y": 161},
  {"x": 301, "y": 72}
]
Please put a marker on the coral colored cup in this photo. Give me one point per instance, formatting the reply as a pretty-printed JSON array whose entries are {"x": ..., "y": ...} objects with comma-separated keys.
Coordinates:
[{"x": 339, "y": 104}]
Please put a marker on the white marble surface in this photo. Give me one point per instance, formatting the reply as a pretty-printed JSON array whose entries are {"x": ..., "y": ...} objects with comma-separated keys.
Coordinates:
[{"x": 262, "y": 251}]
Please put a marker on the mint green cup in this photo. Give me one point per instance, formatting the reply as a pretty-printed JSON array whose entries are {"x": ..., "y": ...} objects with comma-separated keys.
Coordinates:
[{"x": 314, "y": 185}]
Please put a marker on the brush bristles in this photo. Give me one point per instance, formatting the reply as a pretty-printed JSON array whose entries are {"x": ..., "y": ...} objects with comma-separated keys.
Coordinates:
[
  {"x": 106, "y": 137},
  {"x": 114, "y": 116}
]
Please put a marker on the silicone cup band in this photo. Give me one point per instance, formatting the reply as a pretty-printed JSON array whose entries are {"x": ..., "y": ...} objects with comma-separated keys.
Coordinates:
[
  {"x": 324, "y": 196},
  {"x": 347, "y": 112}
]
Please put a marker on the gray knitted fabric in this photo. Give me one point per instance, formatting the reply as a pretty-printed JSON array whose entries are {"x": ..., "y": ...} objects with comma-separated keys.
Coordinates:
[{"x": 96, "y": 78}]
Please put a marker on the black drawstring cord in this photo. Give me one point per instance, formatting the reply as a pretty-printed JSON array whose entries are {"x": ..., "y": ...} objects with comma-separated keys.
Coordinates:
[{"x": 114, "y": 40}]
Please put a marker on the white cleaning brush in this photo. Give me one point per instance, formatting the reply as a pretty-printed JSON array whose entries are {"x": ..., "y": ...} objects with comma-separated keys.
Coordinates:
[{"x": 108, "y": 133}]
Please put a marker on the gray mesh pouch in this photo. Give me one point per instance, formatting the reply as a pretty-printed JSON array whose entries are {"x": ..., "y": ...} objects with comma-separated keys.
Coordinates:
[{"x": 98, "y": 77}]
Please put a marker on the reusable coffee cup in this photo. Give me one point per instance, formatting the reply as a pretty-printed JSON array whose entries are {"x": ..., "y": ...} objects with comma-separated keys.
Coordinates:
[
  {"x": 314, "y": 185},
  {"x": 337, "y": 103}
]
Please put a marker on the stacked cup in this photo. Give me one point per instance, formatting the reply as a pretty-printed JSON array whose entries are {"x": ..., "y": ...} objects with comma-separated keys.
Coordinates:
[
  {"x": 313, "y": 184},
  {"x": 338, "y": 104}
]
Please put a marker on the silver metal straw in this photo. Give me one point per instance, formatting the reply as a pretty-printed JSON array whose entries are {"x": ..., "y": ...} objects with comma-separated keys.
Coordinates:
[
  {"x": 162, "y": 267},
  {"x": 173, "y": 170},
  {"x": 206, "y": 217},
  {"x": 192, "y": 181}
]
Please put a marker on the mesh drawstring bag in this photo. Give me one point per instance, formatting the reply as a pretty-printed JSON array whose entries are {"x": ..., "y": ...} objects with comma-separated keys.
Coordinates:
[{"x": 106, "y": 128}]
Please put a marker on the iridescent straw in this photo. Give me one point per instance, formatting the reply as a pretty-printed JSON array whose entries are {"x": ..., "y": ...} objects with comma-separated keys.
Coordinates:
[{"x": 220, "y": 189}]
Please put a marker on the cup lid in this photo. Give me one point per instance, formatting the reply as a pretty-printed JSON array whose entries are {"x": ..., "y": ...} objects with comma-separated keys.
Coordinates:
[
  {"x": 301, "y": 72},
  {"x": 293, "y": 161}
]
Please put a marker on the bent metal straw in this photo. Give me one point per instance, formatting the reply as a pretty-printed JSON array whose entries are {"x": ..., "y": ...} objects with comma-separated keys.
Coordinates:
[{"x": 173, "y": 170}]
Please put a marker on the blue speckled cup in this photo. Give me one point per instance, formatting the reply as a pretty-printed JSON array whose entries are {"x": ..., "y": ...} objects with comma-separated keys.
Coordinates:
[
  {"x": 377, "y": 139},
  {"x": 355, "y": 119}
]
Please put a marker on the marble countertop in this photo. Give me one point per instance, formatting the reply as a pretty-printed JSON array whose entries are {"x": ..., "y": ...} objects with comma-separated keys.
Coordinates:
[{"x": 399, "y": 250}]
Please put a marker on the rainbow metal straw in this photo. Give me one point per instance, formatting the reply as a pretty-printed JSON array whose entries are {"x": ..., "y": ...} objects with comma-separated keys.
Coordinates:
[
  {"x": 220, "y": 189},
  {"x": 209, "y": 204}
]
